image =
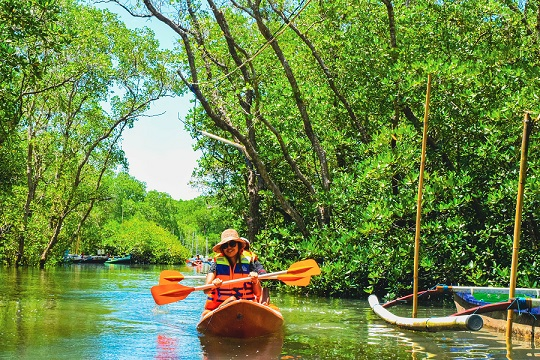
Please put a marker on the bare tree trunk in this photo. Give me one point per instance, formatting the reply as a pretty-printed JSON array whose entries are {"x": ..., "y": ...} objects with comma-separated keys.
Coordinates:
[
  {"x": 31, "y": 184},
  {"x": 57, "y": 221},
  {"x": 52, "y": 241},
  {"x": 324, "y": 212},
  {"x": 219, "y": 115},
  {"x": 395, "y": 119},
  {"x": 248, "y": 75},
  {"x": 253, "y": 216}
]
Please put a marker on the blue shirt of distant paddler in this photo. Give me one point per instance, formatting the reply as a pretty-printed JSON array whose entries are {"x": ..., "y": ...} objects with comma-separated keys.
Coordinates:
[{"x": 232, "y": 263}]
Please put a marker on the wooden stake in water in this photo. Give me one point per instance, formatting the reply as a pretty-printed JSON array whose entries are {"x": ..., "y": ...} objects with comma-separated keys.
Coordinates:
[
  {"x": 517, "y": 225},
  {"x": 419, "y": 204}
]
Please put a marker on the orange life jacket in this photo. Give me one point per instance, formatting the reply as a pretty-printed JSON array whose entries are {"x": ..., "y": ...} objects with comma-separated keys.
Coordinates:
[{"x": 225, "y": 272}]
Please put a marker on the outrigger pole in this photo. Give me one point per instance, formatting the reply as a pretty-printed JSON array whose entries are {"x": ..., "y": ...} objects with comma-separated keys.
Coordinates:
[
  {"x": 471, "y": 322},
  {"x": 419, "y": 202}
]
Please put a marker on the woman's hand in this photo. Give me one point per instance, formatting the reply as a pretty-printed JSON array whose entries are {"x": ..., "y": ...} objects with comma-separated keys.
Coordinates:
[
  {"x": 217, "y": 282},
  {"x": 254, "y": 277}
]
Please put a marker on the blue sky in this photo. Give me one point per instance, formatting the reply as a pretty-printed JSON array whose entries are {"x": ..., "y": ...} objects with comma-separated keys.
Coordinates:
[{"x": 158, "y": 149}]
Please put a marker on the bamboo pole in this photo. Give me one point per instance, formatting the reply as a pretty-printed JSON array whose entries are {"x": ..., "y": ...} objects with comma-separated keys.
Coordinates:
[
  {"x": 419, "y": 202},
  {"x": 517, "y": 226}
]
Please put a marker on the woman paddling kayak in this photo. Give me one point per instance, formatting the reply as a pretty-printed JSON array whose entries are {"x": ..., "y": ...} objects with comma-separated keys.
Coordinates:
[{"x": 232, "y": 262}]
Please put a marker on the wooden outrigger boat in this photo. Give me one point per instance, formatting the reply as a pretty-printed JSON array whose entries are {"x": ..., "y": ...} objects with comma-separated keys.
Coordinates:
[
  {"x": 490, "y": 303},
  {"x": 493, "y": 305},
  {"x": 242, "y": 319},
  {"x": 515, "y": 311},
  {"x": 512, "y": 310}
]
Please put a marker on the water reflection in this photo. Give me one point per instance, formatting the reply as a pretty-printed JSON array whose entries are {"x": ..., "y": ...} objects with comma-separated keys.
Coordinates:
[
  {"x": 268, "y": 347},
  {"x": 166, "y": 346}
]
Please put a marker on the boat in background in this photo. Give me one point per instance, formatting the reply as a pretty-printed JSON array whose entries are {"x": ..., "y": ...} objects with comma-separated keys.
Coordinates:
[
  {"x": 493, "y": 305},
  {"x": 242, "y": 319},
  {"x": 94, "y": 259},
  {"x": 85, "y": 259},
  {"x": 119, "y": 260},
  {"x": 196, "y": 262},
  {"x": 199, "y": 261},
  {"x": 72, "y": 258}
]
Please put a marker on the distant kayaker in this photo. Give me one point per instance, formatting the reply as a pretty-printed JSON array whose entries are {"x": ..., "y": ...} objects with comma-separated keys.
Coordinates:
[
  {"x": 197, "y": 261},
  {"x": 232, "y": 263}
]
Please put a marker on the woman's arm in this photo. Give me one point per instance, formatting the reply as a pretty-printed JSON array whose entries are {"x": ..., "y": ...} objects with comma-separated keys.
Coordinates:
[
  {"x": 254, "y": 271},
  {"x": 258, "y": 267},
  {"x": 209, "y": 278},
  {"x": 257, "y": 288}
]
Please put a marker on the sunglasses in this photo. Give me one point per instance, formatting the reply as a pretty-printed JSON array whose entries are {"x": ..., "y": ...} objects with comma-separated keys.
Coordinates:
[{"x": 231, "y": 243}]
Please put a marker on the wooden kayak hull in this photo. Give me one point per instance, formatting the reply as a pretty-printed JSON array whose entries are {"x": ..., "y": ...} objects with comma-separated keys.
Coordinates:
[
  {"x": 241, "y": 319},
  {"x": 525, "y": 321}
]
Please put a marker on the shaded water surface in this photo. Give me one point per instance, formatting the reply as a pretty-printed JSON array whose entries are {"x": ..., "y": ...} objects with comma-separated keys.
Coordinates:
[{"x": 107, "y": 312}]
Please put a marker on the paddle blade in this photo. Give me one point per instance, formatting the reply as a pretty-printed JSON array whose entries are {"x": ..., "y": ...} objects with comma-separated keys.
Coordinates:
[
  {"x": 306, "y": 267},
  {"x": 166, "y": 294},
  {"x": 169, "y": 277},
  {"x": 296, "y": 280}
]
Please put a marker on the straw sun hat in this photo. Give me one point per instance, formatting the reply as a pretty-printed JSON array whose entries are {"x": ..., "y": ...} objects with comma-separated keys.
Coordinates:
[{"x": 226, "y": 236}]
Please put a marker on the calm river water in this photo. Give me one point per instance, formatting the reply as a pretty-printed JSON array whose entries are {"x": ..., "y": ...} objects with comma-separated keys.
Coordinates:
[{"x": 107, "y": 312}]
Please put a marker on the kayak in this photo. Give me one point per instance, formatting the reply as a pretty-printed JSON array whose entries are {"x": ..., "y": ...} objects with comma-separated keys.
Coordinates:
[{"x": 242, "y": 319}]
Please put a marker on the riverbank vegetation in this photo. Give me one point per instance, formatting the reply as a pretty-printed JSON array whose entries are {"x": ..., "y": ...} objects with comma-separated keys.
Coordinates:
[{"x": 323, "y": 103}]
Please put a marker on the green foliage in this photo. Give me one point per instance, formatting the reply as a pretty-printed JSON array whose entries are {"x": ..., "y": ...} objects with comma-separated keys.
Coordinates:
[
  {"x": 145, "y": 240},
  {"x": 363, "y": 96},
  {"x": 143, "y": 223},
  {"x": 32, "y": 34},
  {"x": 484, "y": 60},
  {"x": 59, "y": 126}
]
